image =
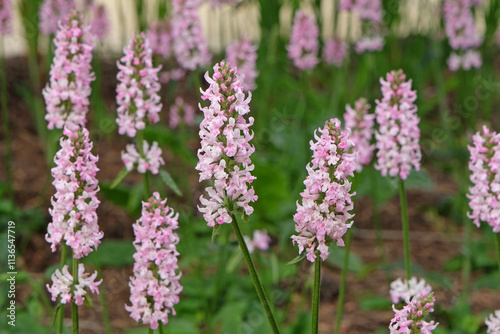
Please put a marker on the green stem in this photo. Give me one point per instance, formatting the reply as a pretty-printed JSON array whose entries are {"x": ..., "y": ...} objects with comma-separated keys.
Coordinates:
[
  {"x": 315, "y": 297},
  {"x": 145, "y": 176},
  {"x": 105, "y": 312},
  {"x": 497, "y": 235},
  {"x": 60, "y": 319},
  {"x": 343, "y": 280},
  {"x": 5, "y": 124},
  {"x": 467, "y": 265},
  {"x": 160, "y": 327},
  {"x": 255, "y": 278},
  {"x": 406, "y": 228},
  {"x": 74, "y": 307},
  {"x": 150, "y": 331}
]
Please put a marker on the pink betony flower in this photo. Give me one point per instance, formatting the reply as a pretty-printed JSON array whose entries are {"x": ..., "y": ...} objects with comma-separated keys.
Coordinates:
[
  {"x": 99, "y": 20},
  {"x": 335, "y": 51},
  {"x": 397, "y": 139},
  {"x": 137, "y": 92},
  {"x": 361, "y": 124},
  {"x": 493, "y": 323},
  {"x": 149, "y": 160},
  {"x": 367, "y": 43},
  {"x": 64, "y": 287},
  {"x": 224, "y": 156},
  {"x": 410, "y": 319},
  {"x": 67, "y": 93},
  {"x": 74, "y": 217},
  {"x": 303, "y": 45},
  {"x": 367, "y": 10},
  {"x": 5, "y": 17},
  {"x": 243, "y": 55},
  {"x": 52, "y": 12},
  {"x": 154, "y": 286},
  {"x": 175, "y": 113},
  {"x": 261, "y": 240},
  {"x": 484, "y": 165},
  {"x": 326, "y": 201},
  {"x": 403, "y": 290},
  {"x": 160, "y": 38}
]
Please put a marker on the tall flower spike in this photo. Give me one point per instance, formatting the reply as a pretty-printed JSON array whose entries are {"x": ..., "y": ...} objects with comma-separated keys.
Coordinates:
[
  {"x": 326, "y": 201},
  {"x": 67, "y": 93},
  {"x": 335, "y": 51},
  {"x": 411, "y": 318},
  {"x": 485, "y": 167},
  {"x": 160, "y": 38},
  {"x": 99, "y": 20},
  {"x": 151, "y": 158},
  {"x": 303, "y": 45},
  {"x": 403, "y": 290},
  {"x": 5, "y": 17},
  {"x": 51, "y": 12},
  {"x": 397, "y": 139},
  {"x": 137, "y": 92},
  {"x": 361, "y": 124},
  {"x": 243, "y": 54},
  {"x": 74, "y": 217},
  {"x": 493, "y": 323},
  {"x": 154, "y": 286},
  {"x": 225, "y": 149}
]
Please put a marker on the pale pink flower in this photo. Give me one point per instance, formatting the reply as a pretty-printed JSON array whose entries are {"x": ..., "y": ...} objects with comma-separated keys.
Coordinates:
[
  {"x": 137, "y": 92},
  {"x": 454, "y": 61},
  {"x": 397, "y": 139},
  {"x": 64, "y": 287},
  {"x": 243, "y": 55},
  {"x": 5, "y": 17},
  {"x": 98, "y": 20},
  {"x": 411, "y": 318},
  {"x": 154, "y": 286},
  {"x": 493, "y": 323},
  {"x": 303, "y": 45},
  {"x": 74, "y": 217},
  {"x": 52, "y": 12},
  {"x": 403, "y": 290},
  {"x": 175, "y": 113},
  {"x": 149, "y": 160},
  {"x": 484, "y": 165},
  {"x": 160, "y": 38},
  {"x": 67, "y": 93},
  {"x": 323, "y": 216},
  {"x": 224, "y": 156},
  {"x": 361, "y": 124},
  {"x": 261, "y": 240},
  {"x": 367, "y": 10},
  {"x": 366, "y": 43},
  {"x": 335, "y": 51}
]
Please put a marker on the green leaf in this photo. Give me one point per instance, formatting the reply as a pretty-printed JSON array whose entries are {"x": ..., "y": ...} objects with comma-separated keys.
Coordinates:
[
  {"x": 169, "y": 181},
  {"x": 375, "y": 303},
  {"x": 119, "y": 178},
  {"x": 298, "y": 258},
  {"x": 88, "y": 301}
]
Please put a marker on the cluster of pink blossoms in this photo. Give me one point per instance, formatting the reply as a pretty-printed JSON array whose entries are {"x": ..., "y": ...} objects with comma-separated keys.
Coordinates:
[
  {"x": 67, "y": 93},
  {"x": 74, "y": 217},
  {"x": 361, "y": 124},
  {"x": 99, "y": 20},
  {"x": 53, "y": 11},
  {"x": 403, "y": 290},
  {"x": 155, "y": 287},
  {"x": 411, "y": 318},
  {"x": 326, "y": 201},
  {"x": 150, "y": 160},
  {"x": 493, "y": 323},
  {"x": 225, "y": 147},
  {"x": 5, "y": 17},
  {"x": 261, "y": 240},
  {"x": 462, "y": 35},
  {"x": 397, "y": 139},
  {"x": 181, "y": 107},
  {"x": 335, "y": 51},
  {"x": 243, "y": 55},
  {"x": 160, "y": 39},
  {"x": 303, "y": 45},
  {"x": 137, "y": 93},
  {"x": 189, "y": 44},
  {"x": 485, "y": 167},
  {"x": 63, "y": 285}
]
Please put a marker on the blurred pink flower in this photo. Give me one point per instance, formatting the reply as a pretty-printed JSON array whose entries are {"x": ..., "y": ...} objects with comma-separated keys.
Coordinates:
[
  {"x": 243, "y": 55},
  {"x": 335, "y": 51},
  {"x": 261, "y": 240},
  {"x": 303, "y": 45},
  {"x": 150, "y": 159},
  {"x": 326, "y": 201},
  {"x": 52, "y": 12},
  {"x": 374, "y": 43},
  {"x": 160, "y": 38},
  {"x": 403, "y": 290},
  {"x": 5, "y": 17},
  {"x": 98, "y": 20},
  {"x": 361, "y": 124},
  {"x": 411, "y": 318},
  {"x": 181, "y": 107},
  {"x": 493, "y": 323},
  {"x": 367, "y": 10},
  {"x": 154, "y": 286}
]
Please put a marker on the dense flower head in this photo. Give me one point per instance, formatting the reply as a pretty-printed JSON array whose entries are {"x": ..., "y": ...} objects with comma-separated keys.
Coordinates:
[
  {"x": 154, "y": 286},
  {"x": 74, "y": 217},
  {"x": 484, "y": 165},
  {"x": 63, "y": 285},
  {"x": 5, "y": 17},
  {"x": 303, "y": 45},
  {"x": 410, "y": 319},
  {"x": 224, "y": 156},
  {"x": 137, "y": 92},
  {"x": 189, "y": 44},
  {"x": 361, "y": 124},
  {"x": 67, "y": 93},
  {"x": 397, "y": 139},
  {"x": 98, "y": 20},
  {"x": 326, "y": 201},
  {"x": 261, "y": 240},
  {"x": 335, "y": 51},
  {"x": 52, "y": 12},
  {"x": 149, "y": 160},
  {"x": 403, "y": 290},
  {"x": 493, "y": 323},
  {"x": 243, "y": 55},
  {"x": 160, "y": 38},
  {"x": 178, "y": 108}
]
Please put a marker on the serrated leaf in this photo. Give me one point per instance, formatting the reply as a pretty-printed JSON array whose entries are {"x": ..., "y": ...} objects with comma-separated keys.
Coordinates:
[
  {"x": 120, "y": 177},
  {"x": 298, "y": 258},
  {"x": 169, "y": 181}
]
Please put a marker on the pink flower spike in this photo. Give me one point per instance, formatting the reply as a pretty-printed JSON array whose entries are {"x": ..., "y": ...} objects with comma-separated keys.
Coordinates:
[
  {"x": 326, "y": 201},
  {"x": 5, "y": 17},
  {"x": 335, "y": 52},
  {"x": 99, "y": 20},
  {"x": 160, "y": 38},
  {"x": 67, "y": 93},
  {"x": 52, "y": 12},
  {"x": 410, "y": 318},
  {"x": 361, "y": 124},
  {"x": 403, "y": 290},
  {"x": 154, "y": 286},
  {"x": 243, "y": 55},
  {"x": 224, "y": 156},
  {"x": 303, "y": 45},
  {"x": 150, "y": 159},
  {"x": 493, "y": 323}
]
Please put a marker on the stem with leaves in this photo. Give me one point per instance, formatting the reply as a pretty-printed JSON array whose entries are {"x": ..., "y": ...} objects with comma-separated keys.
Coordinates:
[
  {"x": 316, "y": 293},
  {"x": 74, "y": 307}
]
